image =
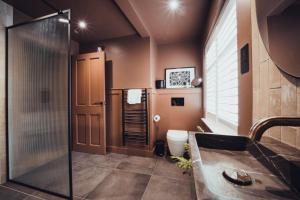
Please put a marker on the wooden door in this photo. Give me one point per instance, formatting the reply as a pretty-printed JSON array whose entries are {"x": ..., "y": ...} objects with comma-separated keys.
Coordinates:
[{"x": 88, "y": 103}]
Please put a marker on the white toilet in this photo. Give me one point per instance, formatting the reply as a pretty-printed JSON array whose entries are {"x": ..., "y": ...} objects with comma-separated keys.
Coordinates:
[{"x": 176, "y": 139}]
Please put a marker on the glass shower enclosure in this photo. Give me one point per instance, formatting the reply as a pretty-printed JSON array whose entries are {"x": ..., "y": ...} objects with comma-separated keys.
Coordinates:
[{"x": 38, "y": 104}]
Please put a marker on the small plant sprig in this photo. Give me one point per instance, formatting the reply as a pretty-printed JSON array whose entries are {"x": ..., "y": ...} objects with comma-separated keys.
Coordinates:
[
  {"x": 200, "y": 129},
  {"x": 184, "y": 162},
  {"x": 186, "y": 146}
]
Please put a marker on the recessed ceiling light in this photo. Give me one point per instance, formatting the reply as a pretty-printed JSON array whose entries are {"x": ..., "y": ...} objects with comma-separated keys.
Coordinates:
[
  {"x": 173, "y": 4},
  {"x": 82, "y": 24},
  {"x": 63, "y": 20}
]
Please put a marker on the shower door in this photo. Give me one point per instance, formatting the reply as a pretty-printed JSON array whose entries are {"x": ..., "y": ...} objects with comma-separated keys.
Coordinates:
[{"x": 38, "y": 104}]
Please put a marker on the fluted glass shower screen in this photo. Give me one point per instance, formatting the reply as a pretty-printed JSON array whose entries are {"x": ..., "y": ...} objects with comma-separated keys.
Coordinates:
[{"x": 38, "y": 104}]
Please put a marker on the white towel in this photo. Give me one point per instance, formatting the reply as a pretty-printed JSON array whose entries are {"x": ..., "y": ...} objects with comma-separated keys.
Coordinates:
[{"x": 134, "y": 96}]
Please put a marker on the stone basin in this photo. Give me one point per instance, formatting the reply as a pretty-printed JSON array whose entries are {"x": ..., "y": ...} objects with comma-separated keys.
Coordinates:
[{"x": 274, "y": 175}]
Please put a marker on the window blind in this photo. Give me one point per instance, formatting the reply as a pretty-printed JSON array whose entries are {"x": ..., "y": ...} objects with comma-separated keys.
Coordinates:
[{"x": 221, "y": 69}]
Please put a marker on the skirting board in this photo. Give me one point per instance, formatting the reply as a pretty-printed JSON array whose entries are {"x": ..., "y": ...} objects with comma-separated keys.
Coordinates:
[{"x": 130, "y": 151}]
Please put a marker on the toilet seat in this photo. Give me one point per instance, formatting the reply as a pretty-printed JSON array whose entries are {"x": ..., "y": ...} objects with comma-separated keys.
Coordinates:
[
  {"x": 177, "y": 135},
  {"x": 176, "y": 140}
]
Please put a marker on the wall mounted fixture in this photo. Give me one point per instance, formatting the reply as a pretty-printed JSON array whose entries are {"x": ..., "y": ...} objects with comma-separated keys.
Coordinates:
[
  {"x": 177, "y": 101},
  {"x": 245, "y": 59},
  {"x": 63, "y": 20},
  {"x": 196, "y": 82}
]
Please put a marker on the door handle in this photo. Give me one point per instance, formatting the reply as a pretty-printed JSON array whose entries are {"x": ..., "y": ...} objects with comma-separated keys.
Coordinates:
[{"x": 100, "y": 103}]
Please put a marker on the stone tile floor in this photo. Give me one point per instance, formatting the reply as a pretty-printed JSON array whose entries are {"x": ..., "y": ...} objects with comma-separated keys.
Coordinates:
[{"x": 116, "y": 177}]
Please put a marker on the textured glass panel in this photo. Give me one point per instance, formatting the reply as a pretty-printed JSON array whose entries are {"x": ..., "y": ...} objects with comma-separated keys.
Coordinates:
[{"x": 38, "y": 104}]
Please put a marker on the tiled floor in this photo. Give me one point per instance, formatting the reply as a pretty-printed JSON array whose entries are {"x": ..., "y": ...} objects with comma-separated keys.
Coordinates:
[{"x": 117, "y": 177}]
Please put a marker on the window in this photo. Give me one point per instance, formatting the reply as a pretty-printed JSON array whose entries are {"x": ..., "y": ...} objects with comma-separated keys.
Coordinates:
[{"x": 221, "y": 70}]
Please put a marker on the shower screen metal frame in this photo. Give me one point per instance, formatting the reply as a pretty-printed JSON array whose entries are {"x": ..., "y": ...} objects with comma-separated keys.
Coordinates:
[{"x": 68, "y": 14}]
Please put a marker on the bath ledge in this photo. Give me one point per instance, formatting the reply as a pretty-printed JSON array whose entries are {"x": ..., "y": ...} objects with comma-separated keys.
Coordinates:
[
  {"x": 218, "y": 128},
  {"x": 199, "y": 180}
]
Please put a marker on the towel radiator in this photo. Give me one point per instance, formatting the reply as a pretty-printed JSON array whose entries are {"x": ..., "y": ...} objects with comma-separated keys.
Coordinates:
[{"x": 135, "y": 126}]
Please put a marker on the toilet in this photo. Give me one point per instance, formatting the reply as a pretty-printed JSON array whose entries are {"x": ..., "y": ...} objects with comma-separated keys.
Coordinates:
[{"x": 176, "y": 139}]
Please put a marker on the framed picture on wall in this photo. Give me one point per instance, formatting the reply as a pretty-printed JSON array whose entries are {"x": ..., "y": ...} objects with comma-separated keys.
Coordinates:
[{"x": 180, "y": 77}]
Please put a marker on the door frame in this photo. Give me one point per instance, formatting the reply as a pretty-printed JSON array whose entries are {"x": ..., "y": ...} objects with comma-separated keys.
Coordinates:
[{"x": 68, "y": 11}]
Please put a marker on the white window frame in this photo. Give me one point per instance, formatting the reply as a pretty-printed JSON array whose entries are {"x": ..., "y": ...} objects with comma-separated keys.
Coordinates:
[{"x": 215, "y": 117}]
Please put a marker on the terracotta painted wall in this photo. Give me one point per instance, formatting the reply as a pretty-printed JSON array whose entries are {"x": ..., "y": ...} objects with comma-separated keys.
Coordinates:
[
  {"x": 184, "y": 54},
  {"x": 182, "y": 118},
  {"x": 185, "y": 117},
  {"x": 6, "y": 19},
  {"x": 274, "y": 92},
  {"x": 153, "y": 61},
  {"x": 130, "y": 60},
  {"x": 245, "y": 80}
]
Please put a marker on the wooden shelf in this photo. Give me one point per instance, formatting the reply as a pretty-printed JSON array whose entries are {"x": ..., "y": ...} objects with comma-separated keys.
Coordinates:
[{"x": 178, "y": 90}]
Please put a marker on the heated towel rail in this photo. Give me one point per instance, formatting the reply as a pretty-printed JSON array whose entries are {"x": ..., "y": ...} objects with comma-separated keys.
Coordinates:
[{"x": 135, "y": 120}]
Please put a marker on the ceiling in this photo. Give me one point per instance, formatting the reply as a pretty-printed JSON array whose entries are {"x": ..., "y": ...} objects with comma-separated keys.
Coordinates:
[
  {"x": 103, "y": 17},
  {"x": 106, "y": 19},
  {"x": 168, "y": 26}
]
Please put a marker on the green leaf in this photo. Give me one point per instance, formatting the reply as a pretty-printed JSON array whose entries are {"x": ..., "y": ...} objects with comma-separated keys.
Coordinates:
[{"x": 182, "y": 162}]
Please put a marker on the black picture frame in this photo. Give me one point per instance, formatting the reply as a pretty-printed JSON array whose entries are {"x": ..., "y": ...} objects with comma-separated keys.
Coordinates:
[{"x": 168, "y": 70}]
